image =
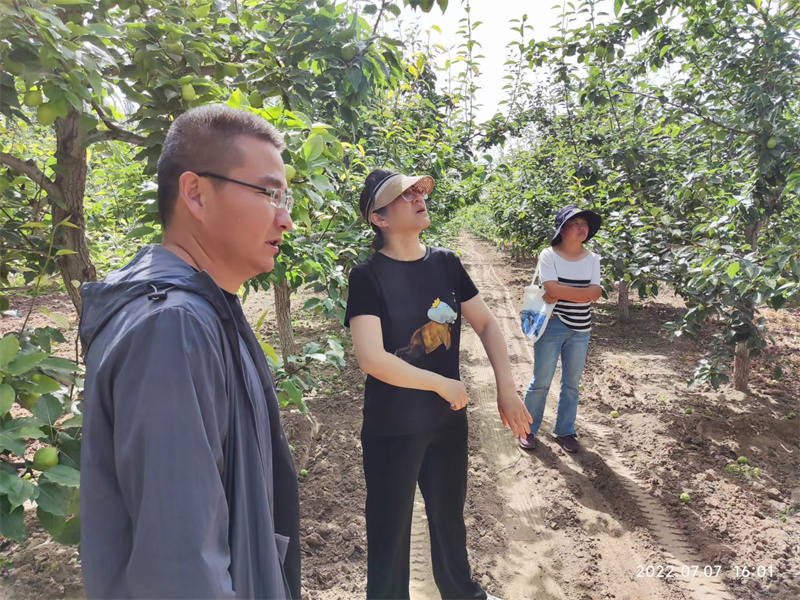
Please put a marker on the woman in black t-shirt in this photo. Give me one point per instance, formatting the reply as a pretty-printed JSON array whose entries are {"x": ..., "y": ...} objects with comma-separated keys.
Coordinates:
[{"x": 404, "y": 311}]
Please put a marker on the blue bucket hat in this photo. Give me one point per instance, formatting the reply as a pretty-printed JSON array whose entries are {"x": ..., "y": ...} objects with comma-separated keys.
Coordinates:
[{"x": 567, "y": 213}]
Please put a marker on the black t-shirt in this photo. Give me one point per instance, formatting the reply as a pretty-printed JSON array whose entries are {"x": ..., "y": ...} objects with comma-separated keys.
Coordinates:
[{"x": 419, "y": 305}]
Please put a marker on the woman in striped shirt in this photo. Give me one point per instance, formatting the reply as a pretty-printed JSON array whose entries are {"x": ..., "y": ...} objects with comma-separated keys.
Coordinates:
[{"x": 571, "y": 279}]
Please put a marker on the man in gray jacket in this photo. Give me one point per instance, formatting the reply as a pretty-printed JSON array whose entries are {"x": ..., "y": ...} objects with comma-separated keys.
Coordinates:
[{"x": 188, "y": 487}]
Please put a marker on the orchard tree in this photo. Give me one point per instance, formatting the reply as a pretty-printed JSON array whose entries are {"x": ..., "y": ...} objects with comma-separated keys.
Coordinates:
[{"x": 88, "y": 87}]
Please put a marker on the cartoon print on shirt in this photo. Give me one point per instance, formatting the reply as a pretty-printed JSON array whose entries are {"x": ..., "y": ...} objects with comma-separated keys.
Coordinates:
[{"x": 430, "y": 336}]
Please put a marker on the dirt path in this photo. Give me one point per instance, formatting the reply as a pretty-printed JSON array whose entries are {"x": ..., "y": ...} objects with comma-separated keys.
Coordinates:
[{"x": 578, "y": 526}]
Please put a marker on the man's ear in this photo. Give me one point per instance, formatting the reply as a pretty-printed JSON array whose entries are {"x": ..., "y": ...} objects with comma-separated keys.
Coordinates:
[{"x": 190, "y": 196}]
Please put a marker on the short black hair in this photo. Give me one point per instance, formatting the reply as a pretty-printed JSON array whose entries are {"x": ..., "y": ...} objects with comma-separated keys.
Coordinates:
[{"x": 205, "y": 139}]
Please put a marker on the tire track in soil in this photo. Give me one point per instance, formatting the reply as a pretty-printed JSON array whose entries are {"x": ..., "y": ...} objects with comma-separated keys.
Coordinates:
[{"x": 596, "y": 557}]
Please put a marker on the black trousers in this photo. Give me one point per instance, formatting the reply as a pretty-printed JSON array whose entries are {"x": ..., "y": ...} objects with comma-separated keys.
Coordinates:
[{"x": 392, "y": 466}]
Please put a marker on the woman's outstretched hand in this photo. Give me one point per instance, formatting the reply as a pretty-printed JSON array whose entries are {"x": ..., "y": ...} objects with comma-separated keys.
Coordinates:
[{"x": 512, "y": 411}]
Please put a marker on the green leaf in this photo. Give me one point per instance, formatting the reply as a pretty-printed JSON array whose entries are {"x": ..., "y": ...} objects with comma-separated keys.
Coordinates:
[
  {"x": 19, "y": 491},
  {"x": 59, "y": 366},
  {"x": 9, "y": 347},
  {"x": 313, "y": 147},
  {"x": 25, "y": 362},
  {"x": 202, "y": 11},
  {"x": 312, "y": 303},
  {"x": 137, "y": 232},
  {"x": 54, "y": 498},
  {"x": 12, "y": 522},
  {"x": 617, "y": 7},
  {"x": 65, "y": 252},
  {"x": 294, "y": 393},
  {"x": 53, "y": 524},
  {"x": 733, "y": 269},
  {"x": 60, "y": 320},
  {"x": 70, "y": 454},
  {"x": 270, "y": 351},
  {"x": 47, "y": 410},
  {"x": 75, "y": 421},
  {"x": 71, "y": 533},
  {"x": 42, "y": 384},
  {"x": 63, "y": 475},
  {"x": 6, "y": 399},
  {"x": 31, "y": 432},
  {"x": 10, "y": 440}
]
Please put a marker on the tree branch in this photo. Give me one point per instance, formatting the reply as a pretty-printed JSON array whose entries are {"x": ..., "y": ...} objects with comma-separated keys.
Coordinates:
[
  {"x": 115, "y": 131},
  {"x": 119, "y": 135},
  {"x": 29, "y": 168},
  {"x": 378, "y": 20},
  {"x": 687, "y": 109}
]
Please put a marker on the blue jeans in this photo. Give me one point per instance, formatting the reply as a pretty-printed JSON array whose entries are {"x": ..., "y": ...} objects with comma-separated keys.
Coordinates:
[{"x": 572, "y": 346}]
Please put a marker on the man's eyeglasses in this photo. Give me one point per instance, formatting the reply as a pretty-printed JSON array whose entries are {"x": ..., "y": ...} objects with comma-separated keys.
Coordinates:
[
  {"x": 278, "y": 198},
  {"x": 411, "y": 194}
]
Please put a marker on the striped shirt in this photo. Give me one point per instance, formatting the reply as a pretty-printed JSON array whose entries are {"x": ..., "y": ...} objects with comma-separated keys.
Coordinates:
[{"x": 578, "y": 273}]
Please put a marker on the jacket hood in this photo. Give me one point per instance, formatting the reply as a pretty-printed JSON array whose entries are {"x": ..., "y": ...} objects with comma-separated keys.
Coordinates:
[{"x": 154, "y": 272}]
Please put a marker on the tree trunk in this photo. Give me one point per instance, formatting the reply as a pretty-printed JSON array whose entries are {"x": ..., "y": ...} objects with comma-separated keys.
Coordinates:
[
  {"x": 283, "y": 315},
  {"x": 624, "y": 302},
  {"x": 751, "y": 234},
  {"x": 71, "y": 180},
  {"x": 741, "y": 361},
  {"x": 741, "y": 367}
]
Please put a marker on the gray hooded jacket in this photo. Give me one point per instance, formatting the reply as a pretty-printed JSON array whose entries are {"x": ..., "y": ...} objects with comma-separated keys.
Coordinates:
[{"x": 188, "y": 487}]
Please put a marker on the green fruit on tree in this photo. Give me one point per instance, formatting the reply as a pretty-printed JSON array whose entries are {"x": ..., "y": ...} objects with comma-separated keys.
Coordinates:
[
  {"x": 348, "y": 53},
  {"x": 46, "y": 114},
  {"x": 230, "y": 70},
  {"x": 290, "y": 172},
  {"x": 33, "y": 98},
  {"x": 307, "y": 267},
  {"x": 174, "y": 47},
  {"x": 27, "y": 399},
  {"x": 771, "y": 143},
  {"x": 685, "y": 498},
  {"x": 45, "y": 458},
  {"x": 303, "y": 473},
  {"x": 615, "y": 415},
  {"x": 255, "y": 99},
  {"x": 742, "y": 460},
  {"x": 188, "y": 93}
]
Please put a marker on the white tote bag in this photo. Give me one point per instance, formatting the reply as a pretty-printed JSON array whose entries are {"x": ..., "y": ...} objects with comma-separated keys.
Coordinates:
[{"x": 535, "y": 311}]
